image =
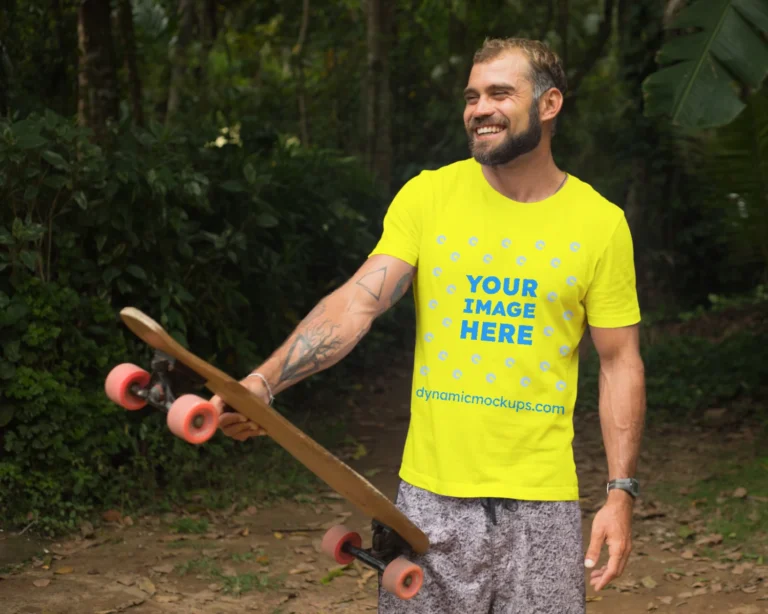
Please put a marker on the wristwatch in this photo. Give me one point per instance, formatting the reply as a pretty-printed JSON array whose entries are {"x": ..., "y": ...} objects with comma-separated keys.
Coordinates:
[{"x": 631, "y": 485}]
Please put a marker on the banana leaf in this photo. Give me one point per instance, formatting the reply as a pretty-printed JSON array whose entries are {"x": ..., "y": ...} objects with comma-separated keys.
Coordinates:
[{"x": 720, "y": 52}]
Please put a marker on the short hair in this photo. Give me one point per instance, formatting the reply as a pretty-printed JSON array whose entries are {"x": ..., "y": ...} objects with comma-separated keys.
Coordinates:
[{"x": 546, "y": 66}]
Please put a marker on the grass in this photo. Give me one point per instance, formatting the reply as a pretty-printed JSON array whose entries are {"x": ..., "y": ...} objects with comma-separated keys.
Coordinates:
[
  {"x": 742, "y": 521},
  {"x": 737, "y": 519},
  {"x": 189, "y": 526},
  {"x": 231, "y": 584}
]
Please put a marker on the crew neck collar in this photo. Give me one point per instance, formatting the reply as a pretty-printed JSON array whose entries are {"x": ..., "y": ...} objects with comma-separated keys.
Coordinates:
[{"x": 497, "y": 196}]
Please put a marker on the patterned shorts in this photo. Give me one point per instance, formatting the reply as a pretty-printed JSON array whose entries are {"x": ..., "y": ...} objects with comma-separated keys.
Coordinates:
[{"x": 494, "y": 556}]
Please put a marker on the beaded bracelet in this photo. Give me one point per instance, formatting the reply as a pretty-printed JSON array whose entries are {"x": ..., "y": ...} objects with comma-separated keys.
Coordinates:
[{"x": 266, "y": 383}]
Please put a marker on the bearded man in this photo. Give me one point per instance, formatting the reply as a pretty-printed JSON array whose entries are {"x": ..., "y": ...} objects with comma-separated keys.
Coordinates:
[{"x": 510, "y": 259}]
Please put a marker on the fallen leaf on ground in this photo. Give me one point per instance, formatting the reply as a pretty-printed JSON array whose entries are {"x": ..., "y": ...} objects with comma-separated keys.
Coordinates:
[
  {"x": 168, "y": 568},
  {"x": 302, "y": 568},
  {"x": 86, "y": 529},
  {"x": 167, "y": 598},
  {"x": 41, "y": 583},
  {"x": 714, "y": 539},
  {"x": 62, "y": 571},
  {"x": 122, "y": 607},
  {"x": 649, "y": 582},
  {"x": 739, "y": 493},
  {"x": 112, "y": 516},
  {"x": 741, "y": 568},
  {"x": 146, "y": 585}
]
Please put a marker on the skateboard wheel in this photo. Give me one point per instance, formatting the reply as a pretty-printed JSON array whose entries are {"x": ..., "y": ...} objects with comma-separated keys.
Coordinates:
[
  {"x": 193, "y": 419},
  {"x": 334, "y": 540},
  {"x": 402, "y": 578},
  {"x": 119, "y": 382}
]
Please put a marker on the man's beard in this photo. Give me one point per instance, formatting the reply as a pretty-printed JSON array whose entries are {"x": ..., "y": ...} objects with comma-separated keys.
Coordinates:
[{"x": 513, "y": 145}]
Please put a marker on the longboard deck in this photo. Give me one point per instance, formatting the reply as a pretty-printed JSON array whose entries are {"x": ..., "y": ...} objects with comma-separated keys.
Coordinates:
[{"x": 338, "y": 475}]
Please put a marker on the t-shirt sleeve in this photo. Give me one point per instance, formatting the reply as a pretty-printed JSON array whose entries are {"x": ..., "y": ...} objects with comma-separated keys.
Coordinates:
[
  {"x": 401, "y": 237},
  {"x": 611, "y": 300}
]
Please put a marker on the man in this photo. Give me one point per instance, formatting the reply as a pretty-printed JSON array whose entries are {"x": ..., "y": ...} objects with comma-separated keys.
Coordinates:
[{"x": 510, "y": 258}]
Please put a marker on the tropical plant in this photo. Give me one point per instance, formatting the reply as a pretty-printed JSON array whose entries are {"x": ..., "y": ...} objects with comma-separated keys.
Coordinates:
[
  {"x": 721, "y": 53},
  {"x": 738, "y": 162}
]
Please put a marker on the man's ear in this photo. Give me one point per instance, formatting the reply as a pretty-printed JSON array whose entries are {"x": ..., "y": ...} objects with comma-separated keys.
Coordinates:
[{"x": 550, "y": 104}]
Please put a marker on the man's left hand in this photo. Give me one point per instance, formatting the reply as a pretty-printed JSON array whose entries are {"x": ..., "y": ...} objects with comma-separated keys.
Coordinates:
[{"x": 613, "y": 526}]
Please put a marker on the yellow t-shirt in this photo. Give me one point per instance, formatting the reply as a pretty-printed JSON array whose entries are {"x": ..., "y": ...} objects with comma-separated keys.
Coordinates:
[{"x": 504, "y": 291}]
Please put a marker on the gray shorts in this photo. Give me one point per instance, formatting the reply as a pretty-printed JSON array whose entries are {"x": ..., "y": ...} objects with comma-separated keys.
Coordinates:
[{"x": 494, "y": 556}]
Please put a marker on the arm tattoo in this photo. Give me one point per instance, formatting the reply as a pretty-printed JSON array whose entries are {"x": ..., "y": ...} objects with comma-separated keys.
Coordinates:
[
  {"x": 401, "y": 288},
  {"x": 373, "y": 282},
  {"x": 310, "y": 350}
]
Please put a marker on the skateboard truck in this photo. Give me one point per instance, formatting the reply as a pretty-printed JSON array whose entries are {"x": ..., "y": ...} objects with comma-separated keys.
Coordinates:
[
  {"x": 188, "y": 416},
  {"x": 168, "y": 375},
  {"x": 398, "y": 575},
  {"x": 387, "y": 546}
]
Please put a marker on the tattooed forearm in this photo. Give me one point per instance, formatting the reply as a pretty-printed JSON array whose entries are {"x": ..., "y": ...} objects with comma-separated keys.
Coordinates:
[
  {"x": 401, "y": 288},
  {"x": 311, "y": 350},
  {"x": 336, "y": 325}
]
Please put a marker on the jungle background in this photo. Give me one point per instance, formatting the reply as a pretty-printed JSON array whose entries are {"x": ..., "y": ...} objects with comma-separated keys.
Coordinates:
[{"x": 222, "y": 165}]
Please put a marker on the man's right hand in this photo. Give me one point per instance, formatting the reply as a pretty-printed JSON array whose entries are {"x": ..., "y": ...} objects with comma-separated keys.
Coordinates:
[{"x": 236, "y": 425}]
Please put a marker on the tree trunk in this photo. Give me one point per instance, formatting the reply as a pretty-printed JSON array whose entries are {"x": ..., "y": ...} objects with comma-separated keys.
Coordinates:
[
  {"x": 562, "y": 18},
  {"x": 378, "y": 98},
  {"x": 98, "y": 100},
  {"x": 129, "y": 56},
  {"x": 300, "y": 81},
  {"x": 6, "y": 73},
  {"x": 186, "y": 13}
]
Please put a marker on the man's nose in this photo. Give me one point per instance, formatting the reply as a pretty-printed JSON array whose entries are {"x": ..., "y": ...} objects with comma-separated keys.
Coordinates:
[{"x": 483, "y": 108}]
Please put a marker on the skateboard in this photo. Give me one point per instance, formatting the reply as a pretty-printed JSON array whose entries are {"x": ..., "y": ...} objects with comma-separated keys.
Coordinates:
[{"x": 175, "y": 371}]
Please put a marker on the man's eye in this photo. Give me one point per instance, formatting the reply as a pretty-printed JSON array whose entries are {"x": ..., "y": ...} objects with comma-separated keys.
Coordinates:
[
  {"x": 500, "y": 95},
  {"x": 471, "y": 99}
]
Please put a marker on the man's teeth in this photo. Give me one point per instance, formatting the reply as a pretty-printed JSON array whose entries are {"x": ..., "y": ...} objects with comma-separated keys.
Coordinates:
[{"x": 489, "y": 130}]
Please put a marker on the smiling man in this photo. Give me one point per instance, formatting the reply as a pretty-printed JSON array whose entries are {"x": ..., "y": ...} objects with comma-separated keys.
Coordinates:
[{"x": 511, "y": 259}]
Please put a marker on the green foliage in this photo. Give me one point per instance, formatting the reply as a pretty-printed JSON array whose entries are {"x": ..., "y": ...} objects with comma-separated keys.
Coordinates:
[
  {"x": 737, "y": 519},
  {"x": 724, "y": 41},
  {"x": 236, "y": 584},
  {"x": 736, "y": 157},
  {"x": 189, "y": 525},
  {"x": 85, "y": 231},
  {"x": 687, "y": 374}
]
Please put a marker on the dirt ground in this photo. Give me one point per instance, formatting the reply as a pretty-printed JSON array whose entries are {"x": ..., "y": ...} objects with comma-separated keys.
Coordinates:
[{"x": 266, "y": 558}]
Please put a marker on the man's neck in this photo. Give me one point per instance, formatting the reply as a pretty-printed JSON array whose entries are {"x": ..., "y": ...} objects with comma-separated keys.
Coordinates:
[{"x": 530, "y": 178}]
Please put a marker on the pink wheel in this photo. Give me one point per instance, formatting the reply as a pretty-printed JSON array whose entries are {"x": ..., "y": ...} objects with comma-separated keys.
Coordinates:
[
  {"x": 402, "y": 578},
  {"x": 193, "y": 419},
  {"x": 120, "y": 381},
  {"x": 334, "y": 540}
]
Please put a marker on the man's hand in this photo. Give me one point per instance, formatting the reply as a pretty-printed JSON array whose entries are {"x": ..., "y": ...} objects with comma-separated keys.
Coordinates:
[
  {"x": 613, "y": 526},
  {"x": 236, "y": 425}
]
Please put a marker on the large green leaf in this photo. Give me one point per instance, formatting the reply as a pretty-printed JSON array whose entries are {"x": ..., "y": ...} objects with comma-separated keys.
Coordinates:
[
  {"x": 723, "y": 50},
  {"x": 737, "y": 164}
]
